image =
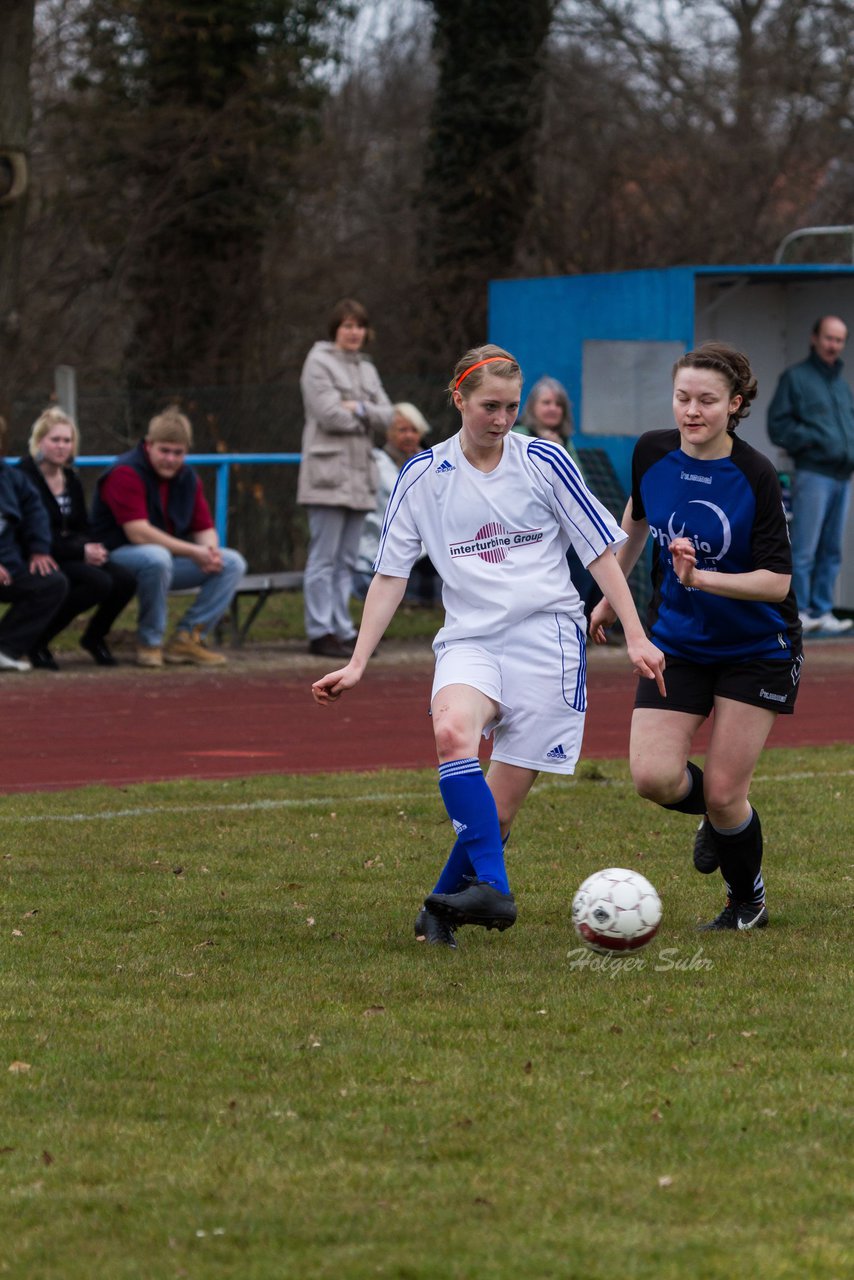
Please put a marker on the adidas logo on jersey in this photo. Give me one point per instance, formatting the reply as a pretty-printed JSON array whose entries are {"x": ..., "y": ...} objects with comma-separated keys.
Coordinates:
[
  {"x": 556, "y": 753},
  {"x": 444, "y": 467}
]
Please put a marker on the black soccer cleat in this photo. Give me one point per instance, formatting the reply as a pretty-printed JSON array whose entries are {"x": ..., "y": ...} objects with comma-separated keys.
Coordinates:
[
  {"x": 706, "y": 858},
  {"x": 737, "y": 915},
  {"x": 432, "y": 929},
  {"x": 480, "y": 903}
]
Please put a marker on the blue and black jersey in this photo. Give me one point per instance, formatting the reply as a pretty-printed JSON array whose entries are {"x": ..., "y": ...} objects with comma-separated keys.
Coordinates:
[{"x": 732, "y": 510}]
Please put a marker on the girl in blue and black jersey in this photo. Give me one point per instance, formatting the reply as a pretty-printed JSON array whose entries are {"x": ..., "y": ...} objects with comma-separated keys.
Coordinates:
[{"x": 723, "y": 611}]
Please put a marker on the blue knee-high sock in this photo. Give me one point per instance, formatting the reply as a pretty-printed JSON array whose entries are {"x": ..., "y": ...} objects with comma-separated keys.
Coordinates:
[
  {"x": 472, "y": 810},
  {"x": 458, "y": 870}
]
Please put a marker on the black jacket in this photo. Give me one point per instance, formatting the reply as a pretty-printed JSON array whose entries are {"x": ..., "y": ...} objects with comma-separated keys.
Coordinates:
[
  {"x": 24, "y": 526},
  {"x": 71, "y": 532}
]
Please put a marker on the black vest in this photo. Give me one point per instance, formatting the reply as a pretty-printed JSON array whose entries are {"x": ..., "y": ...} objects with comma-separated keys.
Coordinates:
[{"x": 180, "y": 504}]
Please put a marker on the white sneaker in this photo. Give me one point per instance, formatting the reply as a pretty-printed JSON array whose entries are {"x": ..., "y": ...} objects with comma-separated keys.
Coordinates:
[
  {"x": 832, "y": 625},
  {"x": 14, "y": 664},
  {"x": 809, "y": 624}
]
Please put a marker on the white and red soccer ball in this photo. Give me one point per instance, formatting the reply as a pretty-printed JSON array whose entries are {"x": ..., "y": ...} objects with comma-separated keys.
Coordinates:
[{"x": 616, "y": 910}]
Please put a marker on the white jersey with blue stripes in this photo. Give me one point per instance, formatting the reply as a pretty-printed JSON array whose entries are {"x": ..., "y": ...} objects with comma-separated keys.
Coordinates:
[{"x": 497, "y": 539}]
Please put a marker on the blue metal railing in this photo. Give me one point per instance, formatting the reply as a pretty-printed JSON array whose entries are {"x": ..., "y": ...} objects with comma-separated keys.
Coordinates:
[{"x": 222, "y": 464}]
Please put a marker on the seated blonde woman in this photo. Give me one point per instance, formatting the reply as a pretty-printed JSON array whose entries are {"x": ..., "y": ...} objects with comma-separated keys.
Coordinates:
[{"x": 94, "y": 580}]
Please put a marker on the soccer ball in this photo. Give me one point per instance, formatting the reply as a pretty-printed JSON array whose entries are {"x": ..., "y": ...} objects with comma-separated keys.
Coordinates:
[{"x": 616, "y": 910}]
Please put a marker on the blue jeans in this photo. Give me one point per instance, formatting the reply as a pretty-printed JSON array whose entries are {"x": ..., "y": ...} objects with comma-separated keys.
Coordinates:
[
  {"x": 819, "y": 507},
  {"x": 157, "y": 572}
]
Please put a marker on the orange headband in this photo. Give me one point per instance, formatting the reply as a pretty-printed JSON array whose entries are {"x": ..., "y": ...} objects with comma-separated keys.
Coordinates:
[{"x": 472, "y": 367}]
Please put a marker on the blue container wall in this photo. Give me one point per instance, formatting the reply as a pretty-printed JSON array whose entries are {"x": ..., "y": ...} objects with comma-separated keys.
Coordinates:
[{"x": 545, "y": 323}]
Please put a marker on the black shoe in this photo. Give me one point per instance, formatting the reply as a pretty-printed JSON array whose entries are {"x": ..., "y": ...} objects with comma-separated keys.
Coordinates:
[
  {"x": 100, "y": 652},
  {"x": 432, "y": 929},
  {"x": 706, "y": 858},
  {"x": 43, "y": 660},
  {"x": 737, "y": 915},
  {"x": 329, "y": 647},
  {"x": 480, "y": 903}
]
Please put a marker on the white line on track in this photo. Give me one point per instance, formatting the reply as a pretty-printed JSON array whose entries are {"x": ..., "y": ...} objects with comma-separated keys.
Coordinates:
[{"x": 324, "y": 802}]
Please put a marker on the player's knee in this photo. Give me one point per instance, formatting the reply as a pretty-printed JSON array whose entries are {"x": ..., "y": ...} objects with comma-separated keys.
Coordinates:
[
  {"x": 453, "y": 740},
  {"x": 722, "y": 795},
  {"x": 661, "y": 786}
]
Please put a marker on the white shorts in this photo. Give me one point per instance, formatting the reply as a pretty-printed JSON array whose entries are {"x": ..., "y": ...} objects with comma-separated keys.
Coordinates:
[{"x": 536, "y": 671}]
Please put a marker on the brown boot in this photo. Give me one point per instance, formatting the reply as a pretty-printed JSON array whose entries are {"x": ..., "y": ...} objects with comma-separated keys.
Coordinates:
[
  {"x": 190, "y": 646},
  {"x": 149, "y": 655}
]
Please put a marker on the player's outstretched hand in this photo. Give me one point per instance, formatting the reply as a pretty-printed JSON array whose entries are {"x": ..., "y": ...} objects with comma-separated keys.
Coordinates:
[
  {"x": 328, "y": 688},
  {"x": 684, "y": 556},
  {"x": 602, "y": 617},
  {"x": 648, "y": 661}
]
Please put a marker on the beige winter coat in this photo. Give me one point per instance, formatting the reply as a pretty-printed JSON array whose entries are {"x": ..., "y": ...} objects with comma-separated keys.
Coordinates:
[{"x": 337, "y": 467}]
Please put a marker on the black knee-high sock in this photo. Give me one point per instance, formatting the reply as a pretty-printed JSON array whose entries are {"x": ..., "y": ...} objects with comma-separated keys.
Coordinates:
[
  {"x": 694, "y": 802},
  {"x": 741, "y": 862}
]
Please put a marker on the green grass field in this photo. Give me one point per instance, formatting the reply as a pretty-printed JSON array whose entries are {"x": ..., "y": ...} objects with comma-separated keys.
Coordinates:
[{"x": 225, "y": 1055}]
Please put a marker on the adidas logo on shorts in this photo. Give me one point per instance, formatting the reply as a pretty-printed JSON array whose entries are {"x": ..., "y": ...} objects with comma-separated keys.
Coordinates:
[
  {"x": 445, "y": 467},
  {"x": 459, "y": 827},
  {"x": 556, "y": 753}
]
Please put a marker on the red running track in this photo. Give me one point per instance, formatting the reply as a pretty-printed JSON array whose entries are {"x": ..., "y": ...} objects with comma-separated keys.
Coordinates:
[{"x": 120, "y": 727}]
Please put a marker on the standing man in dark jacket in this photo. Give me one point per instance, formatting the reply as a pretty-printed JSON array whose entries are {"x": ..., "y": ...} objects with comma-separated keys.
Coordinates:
[
  {"x": 812, "y": 417},
  {"x": 151, "y": 515},
  {"x": 30, "y": 581}
]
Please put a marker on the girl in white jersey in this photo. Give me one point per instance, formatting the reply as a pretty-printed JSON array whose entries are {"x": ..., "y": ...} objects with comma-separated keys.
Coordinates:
[{"x": 495, "y": 513}]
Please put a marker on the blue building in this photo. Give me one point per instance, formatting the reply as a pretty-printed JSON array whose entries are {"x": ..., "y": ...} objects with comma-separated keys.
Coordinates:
[{"x": 611, "y": 339}]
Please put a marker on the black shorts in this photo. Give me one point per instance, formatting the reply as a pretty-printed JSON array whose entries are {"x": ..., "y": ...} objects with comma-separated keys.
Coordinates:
[{"x": 693, "y": 686}]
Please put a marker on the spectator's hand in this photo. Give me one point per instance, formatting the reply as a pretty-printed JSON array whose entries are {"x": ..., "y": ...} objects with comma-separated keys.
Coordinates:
[
  {"x": 328, "y": 688},
  {"x": 5, "y": 576},
  {"x": 209, "y": 559},
  {"x": 602, "y": 617},
  {"x": 95, "y": 553},
  {"x": 684, "y": 556},
  {"x": 43, "y": 565},
  {"x": 350, "y": 405}
]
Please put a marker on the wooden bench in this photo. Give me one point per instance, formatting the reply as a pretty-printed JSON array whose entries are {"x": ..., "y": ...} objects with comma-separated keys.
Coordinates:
[{"x": 255, "y": 586}]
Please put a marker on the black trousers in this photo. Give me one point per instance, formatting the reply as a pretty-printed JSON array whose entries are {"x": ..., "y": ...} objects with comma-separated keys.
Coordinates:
[
  {"x": 109, "y": 586},
  {"x": 34, "y": 601}
]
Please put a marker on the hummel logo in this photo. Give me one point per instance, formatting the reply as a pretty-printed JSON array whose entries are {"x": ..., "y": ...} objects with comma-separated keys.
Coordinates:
[
  {"x": 556, "y": 753},
  {"x": 459, "y": 827},
  {"x": 445, "y": 467}
]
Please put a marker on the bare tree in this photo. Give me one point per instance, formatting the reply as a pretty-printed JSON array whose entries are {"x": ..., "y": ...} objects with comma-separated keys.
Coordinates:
[
  {"x": 689, "y": 133},
  {"x": 355, "y": 224}
]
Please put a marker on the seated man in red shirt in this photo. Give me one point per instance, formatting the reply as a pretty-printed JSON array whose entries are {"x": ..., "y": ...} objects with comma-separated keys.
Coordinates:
[{"x": 151, "y": 514}]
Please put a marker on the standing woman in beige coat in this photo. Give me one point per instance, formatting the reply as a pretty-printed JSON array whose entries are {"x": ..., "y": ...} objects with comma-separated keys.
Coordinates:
[{"x": 344, "y": 404}]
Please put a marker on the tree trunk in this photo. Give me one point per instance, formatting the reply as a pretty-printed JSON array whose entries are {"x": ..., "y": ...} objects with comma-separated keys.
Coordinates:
[
  {"x": 479, "y": 178},
  {"x": 16, "y": 43}
]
